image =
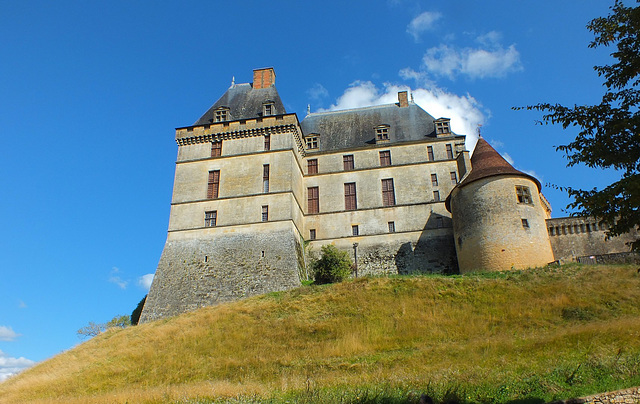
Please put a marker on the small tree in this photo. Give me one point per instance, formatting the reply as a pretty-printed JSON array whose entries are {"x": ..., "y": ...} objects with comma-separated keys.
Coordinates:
[
  {"x": 135, "y": 315},
  {"x": 94, "y": 329},
  {"x": 333, "y": 266}
]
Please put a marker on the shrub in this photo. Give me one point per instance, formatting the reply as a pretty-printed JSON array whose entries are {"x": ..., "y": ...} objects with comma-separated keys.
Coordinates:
[
  {"x": 333, "y": 266},
  {"x": 135, "y": 315}
]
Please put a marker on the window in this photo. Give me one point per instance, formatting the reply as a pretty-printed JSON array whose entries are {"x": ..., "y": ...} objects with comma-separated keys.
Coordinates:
[
  {"x": 392, "y": 227},
  {"x": 312, "y": 142},
  {"x": 434, "y": 180},
  {"x": 347, "y": 162},
  {"x": 350, "y": 202},
  {"x": 524, "y": 194},
  {"x": 265, "y": 178},
  {"x": 442, "y": 126},
  {"x": 388, "y": 196},
  {"x": 449, "y": 151},
  {"x": 525, "y": 223},
  {"x": 382, "y": 132},
  {"x": 210, "y": 218},
  {"x": 385, "y": 158},
  {"x": 213, "y": 184},
  {"x": 268, "y": 109},
  {"x": 436, "y": 196},
  {"x": 430, "y": 153},
  {"x": 454, "y": 177},
  {"x": 312, "y": 166},
  {"x": 313, "y": 200},
  {"x": 355, "y": 231},
  {"x": 265, "y": 213},
  {"x": 312, "y": 234},
  {"x": 221, "y": 115},
  {"x": 216, "y": 149},
  {"x": 267, "y": 142}
]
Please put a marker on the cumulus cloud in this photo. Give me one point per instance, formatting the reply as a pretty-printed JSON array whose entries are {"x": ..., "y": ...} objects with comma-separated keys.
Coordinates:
[
  {"x": 145, "y": 281},
  {"x": 10, "y": 366},
  {"x": 115, "y": 278},
  {"x": 464, "y": 111},
  {"x": 490, "y": 60},
  {"x": 7, "y": 334},
  {"x": 422, "y": 23}
]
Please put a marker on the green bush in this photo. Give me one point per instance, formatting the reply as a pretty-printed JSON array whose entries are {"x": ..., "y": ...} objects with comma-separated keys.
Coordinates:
[
  {"x": 135, "y": 315},
  {"x": 333, "y": 266}
]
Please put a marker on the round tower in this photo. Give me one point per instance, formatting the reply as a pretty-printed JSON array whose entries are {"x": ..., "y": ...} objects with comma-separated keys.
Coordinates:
[{"x": 498, "y": 216}]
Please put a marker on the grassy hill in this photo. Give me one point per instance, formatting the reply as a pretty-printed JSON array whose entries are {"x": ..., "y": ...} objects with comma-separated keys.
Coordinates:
[{"x": 519, "y": 337}]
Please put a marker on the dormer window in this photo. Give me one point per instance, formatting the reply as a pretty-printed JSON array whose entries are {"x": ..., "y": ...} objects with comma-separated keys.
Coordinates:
[
  {"x": 442, "y": 126},
  {"x": 221, "y": 115},
  {"x": 268, "y": 108},
  {"x": 312, "y": 141},
  {"x": 382, "y": 133}
]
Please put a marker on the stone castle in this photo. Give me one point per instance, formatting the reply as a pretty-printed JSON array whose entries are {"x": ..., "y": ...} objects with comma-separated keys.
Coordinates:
[{"x": 256, "y": 190}]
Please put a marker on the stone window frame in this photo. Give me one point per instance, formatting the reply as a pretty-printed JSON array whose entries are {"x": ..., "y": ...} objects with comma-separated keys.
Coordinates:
[
  {"x": 350, "y": 196},
  {"x": 267, "y": 142},
  {"x": 392, "y": 227},
  {"x": 454, "y": 177},
  {"x": 265, "y": 213},
  {"x": 265, "y": 178},
  {"x": 312, "y": 166},
  {"x": 210, "y": 218},
  {"x": 449, "y": 151},
  {"x": 313, "y": 200},
  {"x": 434, "y": 180},
  {"x": 213, "y": 184},
  {"x": 525, "y": 223},
  {"x": 348, "y": 163},
  {"x": 269, "y": 108},
  {"x": 430, "y": 155},
  {"x": 388, "y": 192},
  {"x": 312, "y": 141},
  {"x": 436, "y": 196},
  {"x": 385, "y": 158},
  {"x": 221, "y": 114},
  {"x": 382, "y": 133},
  {"x": 312, "y": 234},
  {"x": 523, "y": 195},
  {"x": 216, "y": 148},
  {"x": 355, "y": 230},
  {"x": 443, "y": 126}
]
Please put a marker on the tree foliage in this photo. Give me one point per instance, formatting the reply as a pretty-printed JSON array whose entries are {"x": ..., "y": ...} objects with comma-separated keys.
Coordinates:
[
  {"x": 609, "y": 132},
  {"x": 135, "y": 315},
  {"x": 93, "y": 329},
  {"x": 333, "y": 266}
]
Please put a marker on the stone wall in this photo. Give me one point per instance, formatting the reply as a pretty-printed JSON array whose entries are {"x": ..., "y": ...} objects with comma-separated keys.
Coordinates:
[
  {"x": 197, "y": 272},
  {"x": 627, "y": 396},
  {"x": 573, "y": 237}
]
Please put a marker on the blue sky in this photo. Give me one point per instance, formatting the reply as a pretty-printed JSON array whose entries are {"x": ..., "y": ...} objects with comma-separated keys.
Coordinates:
[{"x": 91, "y": 93}]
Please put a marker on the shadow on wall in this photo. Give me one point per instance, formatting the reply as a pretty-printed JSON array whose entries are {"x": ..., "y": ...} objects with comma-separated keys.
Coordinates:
[{"x": 434, "y": 251}]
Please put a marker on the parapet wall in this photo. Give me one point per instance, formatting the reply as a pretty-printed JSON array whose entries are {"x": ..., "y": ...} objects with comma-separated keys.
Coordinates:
[
  {"x": 196, "y": 272},
  {"x": 573, "y": 237}
]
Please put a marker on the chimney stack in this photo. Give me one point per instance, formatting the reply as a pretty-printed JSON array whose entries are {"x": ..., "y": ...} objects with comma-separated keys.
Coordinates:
[
  {"x": 263, "y": 78},
  {"x": 403, "y": 99}
]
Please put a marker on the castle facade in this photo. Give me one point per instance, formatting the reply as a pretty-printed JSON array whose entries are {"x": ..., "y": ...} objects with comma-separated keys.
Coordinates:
[{"x": 256, "y": 192}]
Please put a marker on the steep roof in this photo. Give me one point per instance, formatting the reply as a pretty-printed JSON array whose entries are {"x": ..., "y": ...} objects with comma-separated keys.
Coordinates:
[
  {"x": 244, "y": 102},
  {"x": 487, "y": 162},
  {"x": 356, "y": 127}
]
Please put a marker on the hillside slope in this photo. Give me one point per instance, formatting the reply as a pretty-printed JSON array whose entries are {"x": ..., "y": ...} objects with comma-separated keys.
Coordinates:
[{"x": 540, "y": 335}]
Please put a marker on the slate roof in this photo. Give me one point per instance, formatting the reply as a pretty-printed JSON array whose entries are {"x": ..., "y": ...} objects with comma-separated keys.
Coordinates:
[
  {"x": 487, "y": 162},
  {"x": 354, "y": 128},
  {"x": 244, "y": 102}
]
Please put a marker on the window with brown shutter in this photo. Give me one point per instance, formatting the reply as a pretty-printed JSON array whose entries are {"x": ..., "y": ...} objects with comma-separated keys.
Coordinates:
[
  {"x": 267, "y": 142},
  {"x": 350, "y": 202},
  {"x": 347, "y": 162},
  {"x": 216, "y": 149},
  {"x": 385, "y": 158},
  {"x": 449, "y": 151},
  {"x": 213, "y": 184},
  {"x": 312, "y": 166},
  {"x": 265, "y": 178},
  {"x": 313, "y": 200},
  {"x": 430, "y": 153},
  {"x": 388, "y": 196}
]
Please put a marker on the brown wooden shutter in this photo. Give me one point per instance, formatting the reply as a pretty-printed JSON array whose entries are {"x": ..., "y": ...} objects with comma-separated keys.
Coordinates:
[
  {"x": 350, "y": 200},
  {"x": 388, "y": 196}
]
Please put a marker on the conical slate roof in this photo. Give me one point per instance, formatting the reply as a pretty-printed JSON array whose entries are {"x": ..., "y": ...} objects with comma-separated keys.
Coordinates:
[{"x": 487, "y": 162}]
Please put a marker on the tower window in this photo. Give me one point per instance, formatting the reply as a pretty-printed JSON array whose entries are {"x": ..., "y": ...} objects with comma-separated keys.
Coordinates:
[
  {"x": 267, "y": 142},
  {"x": 350, "y": 200},
  {"x": 268, "y": 109},
  {"x": 434, "y": 180},
  {"x": 449, "y": 151},
  {"x": 525, "y": 223},
  {"x": 210, "y": 218},
  {"x": 355, "y": 231},
  {"x": 216, "y": 149},
  {"x": 347, "y": 162},
  {"x": 388, "y": 195},
  {"x": 312, "y": 234},
  {"x": 442, "y": 127},
  {"x": 265, "y": 178},
  {"x": 392, "y": 227},
  {"x": 385, "y": 158},
  {"x": 221, "y": 115},
  {"x": 436, "y": 196},
  {"x": 213, "y": 184},
  {"x": 454, "y": 177},
  {"x": 313, "y": 200},
  {"x": 265, "y": 213},
  {"x": 430, "y": 153},
  {"x": 312, "y": 166},
  {"x": 524, "y": 194}
]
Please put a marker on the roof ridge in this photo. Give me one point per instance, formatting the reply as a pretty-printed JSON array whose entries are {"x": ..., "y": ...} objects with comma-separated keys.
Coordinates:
[{"x": 355, "y": 109}]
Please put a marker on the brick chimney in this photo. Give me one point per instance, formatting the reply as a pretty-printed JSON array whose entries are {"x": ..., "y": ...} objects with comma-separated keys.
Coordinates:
[
  {"x": 403, "y": 99},
  {"x": 263, "y": 78}
]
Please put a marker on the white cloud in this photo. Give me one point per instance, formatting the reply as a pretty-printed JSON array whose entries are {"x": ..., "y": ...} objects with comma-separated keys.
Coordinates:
[
  {"x": 490, "y": 60},
  {"x": 145, "y": 281},
  {"x": 423, "y": 22},
  {"x": 116, "y": 279},
  {"x": 317, "y": 92},
  {"x": 464, "y": 111},
  {"x": 507, "y": 157},
  {"x": 7, "y": 334},
  {"x": 10, "y": 366}
]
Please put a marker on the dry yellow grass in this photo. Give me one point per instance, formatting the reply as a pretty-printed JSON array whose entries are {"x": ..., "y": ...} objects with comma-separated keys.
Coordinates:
[{"x": 400, "y": 331}]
